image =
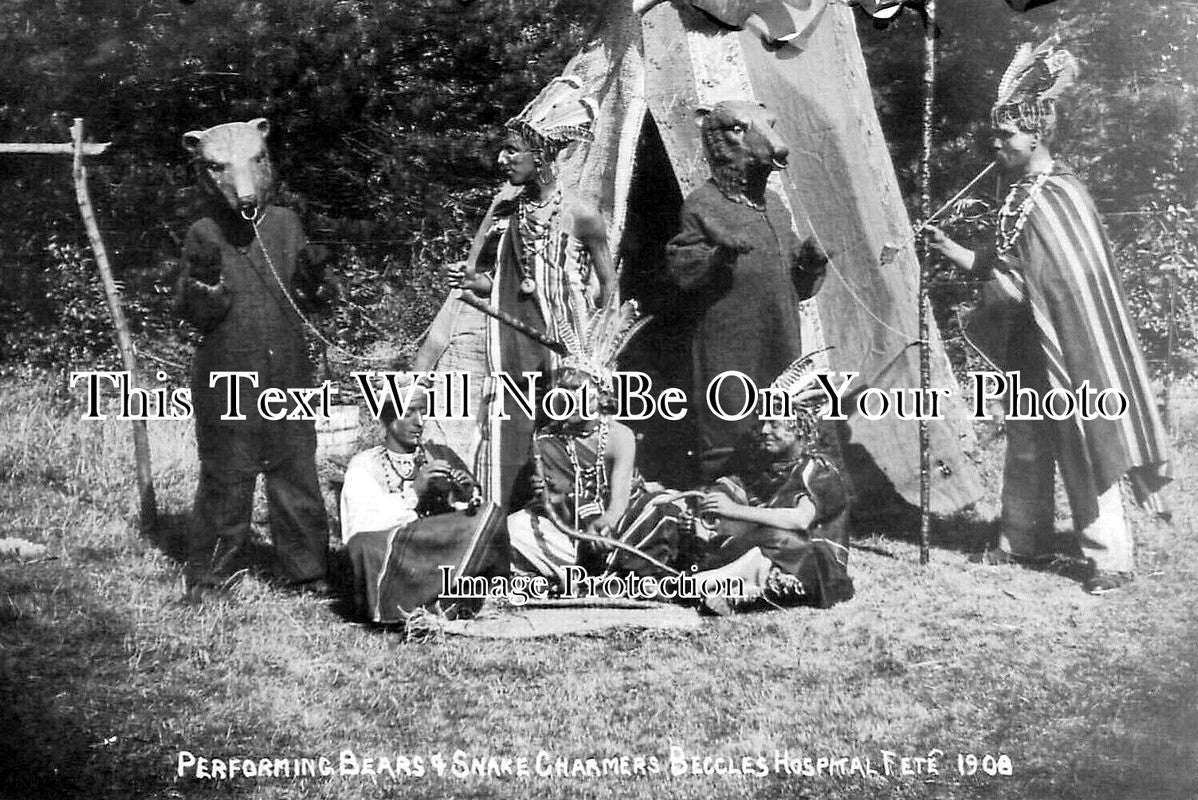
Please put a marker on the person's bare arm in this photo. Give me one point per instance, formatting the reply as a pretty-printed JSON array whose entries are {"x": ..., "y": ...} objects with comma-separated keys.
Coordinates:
[
  {"x": 465, "y": 274},
  {"x": 622, "y": 450},
  {"x": 590, "y": 228},
  {"x": 961, "y": 256},
  {"x": 798, "y": 518}
]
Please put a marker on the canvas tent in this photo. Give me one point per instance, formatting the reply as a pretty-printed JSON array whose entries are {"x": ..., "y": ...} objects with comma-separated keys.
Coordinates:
[{"x": 648, "y": 73}]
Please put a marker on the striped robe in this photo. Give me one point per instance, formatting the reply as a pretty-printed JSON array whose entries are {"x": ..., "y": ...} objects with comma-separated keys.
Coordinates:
[{"x": 1061, "y": 271}]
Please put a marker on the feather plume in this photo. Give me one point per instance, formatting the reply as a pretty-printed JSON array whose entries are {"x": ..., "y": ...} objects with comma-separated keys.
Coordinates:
[
  {"x": 1021, "y": 61},
  {"x": 1063, "y": 65},
  {"x": 559, "y": 114},
  {"x": 801, "y": 382},
  {"x": 798, "y": 369},
  {"x": 1040, "y": 73},
  {"x": 604, "y": 337}
]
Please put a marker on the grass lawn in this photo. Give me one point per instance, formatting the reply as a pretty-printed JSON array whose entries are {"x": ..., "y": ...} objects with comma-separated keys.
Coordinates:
[{"x": 105, "y": 679}]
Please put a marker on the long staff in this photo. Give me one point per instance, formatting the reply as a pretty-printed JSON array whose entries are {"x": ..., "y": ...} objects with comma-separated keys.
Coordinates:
[
  {"x": 507, "y": 319},
  {"x": 925, "y": 350},
  {"x": 538, "y": 464}
]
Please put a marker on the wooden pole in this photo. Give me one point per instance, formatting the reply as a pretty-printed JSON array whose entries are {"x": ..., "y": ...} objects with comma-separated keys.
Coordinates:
[
  {"x": 925, "y": 350},
  {"x": 52, "y": 149},
  {"x": 516, "y": 324},
  {"x": 141, "y": 439}
]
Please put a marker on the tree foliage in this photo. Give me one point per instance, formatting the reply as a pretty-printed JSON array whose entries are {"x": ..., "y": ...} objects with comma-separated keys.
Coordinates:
[
  {"x": 387, "y": 114},
  {"x": 1128, "y": 129}
]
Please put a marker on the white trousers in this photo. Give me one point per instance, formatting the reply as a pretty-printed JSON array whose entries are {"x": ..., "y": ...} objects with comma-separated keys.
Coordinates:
[{"x": 1028, "y": 505}]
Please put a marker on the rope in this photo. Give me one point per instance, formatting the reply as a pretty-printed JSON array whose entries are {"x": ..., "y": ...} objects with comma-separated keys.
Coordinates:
[{"x": 909, "y": 239}]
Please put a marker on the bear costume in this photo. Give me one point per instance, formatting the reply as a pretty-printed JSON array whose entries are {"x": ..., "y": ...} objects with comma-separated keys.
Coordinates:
[{"x": 744, "y": 271}]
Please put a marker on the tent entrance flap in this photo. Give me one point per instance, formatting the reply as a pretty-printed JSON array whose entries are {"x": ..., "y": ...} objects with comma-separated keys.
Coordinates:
[{"x": 661, "y": 350}]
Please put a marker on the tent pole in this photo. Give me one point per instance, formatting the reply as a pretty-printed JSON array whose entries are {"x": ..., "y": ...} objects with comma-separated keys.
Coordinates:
[{"x": 925, "y": 203}]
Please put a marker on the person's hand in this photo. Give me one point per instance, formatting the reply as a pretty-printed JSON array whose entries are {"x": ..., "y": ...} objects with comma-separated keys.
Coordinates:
[
  {"x": 432, "y": 470},
  {"x": 455, "y": 274},
  {"x": 456, "y": 278},
  {"x": 439, "y": 468},
  {"x": 939, "y": 241},
  {"x": 716, "y": 504},
  {"x": 601, "y": 525},
  {"x": 937, "y": 238}
]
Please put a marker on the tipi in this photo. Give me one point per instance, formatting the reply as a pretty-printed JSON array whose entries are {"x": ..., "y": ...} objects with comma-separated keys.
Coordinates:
[{"x": 647, "y": 72}]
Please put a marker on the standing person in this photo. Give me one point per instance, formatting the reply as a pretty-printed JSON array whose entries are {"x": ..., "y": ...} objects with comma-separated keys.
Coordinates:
[
  {"x": 1053, "y": 311},
  {"x": 552, "y": 268},
  {"x": 743, "y": 271},
  {"x": 244, "y": 266}
]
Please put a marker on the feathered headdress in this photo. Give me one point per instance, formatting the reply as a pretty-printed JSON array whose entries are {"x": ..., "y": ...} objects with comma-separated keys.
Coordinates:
[
  {"x": 801, "y": 384},
  {"x": 595, "y": 347},
  {"x": 558, "y": 115},
  {"x": 1029, "y": 89}
]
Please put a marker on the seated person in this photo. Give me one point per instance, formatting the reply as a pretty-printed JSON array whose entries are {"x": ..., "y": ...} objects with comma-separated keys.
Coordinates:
[
  {"x": 584, "y": 478},
  {"x": 785, "y": 525},
  {"x": 583, "y": 468},
  {"x": 408, "y": 507}
]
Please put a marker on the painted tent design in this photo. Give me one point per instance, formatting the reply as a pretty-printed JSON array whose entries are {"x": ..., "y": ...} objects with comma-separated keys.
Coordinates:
[{"x": 648, "y": 73}]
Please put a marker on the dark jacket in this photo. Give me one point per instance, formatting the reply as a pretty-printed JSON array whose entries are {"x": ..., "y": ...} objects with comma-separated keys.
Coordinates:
[{"x": 229, "y": 291}]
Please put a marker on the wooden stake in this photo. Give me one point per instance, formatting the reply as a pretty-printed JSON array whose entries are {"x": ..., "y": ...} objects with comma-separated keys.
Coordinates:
[
  {"x": 925, "y": 350},
  {"x": 141, "y": 439}
]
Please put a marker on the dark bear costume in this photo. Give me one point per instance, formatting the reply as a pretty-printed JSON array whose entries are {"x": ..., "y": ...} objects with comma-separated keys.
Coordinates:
[
  {"x": 231, "y": 288},
  {"x": 738, "y": 258}
]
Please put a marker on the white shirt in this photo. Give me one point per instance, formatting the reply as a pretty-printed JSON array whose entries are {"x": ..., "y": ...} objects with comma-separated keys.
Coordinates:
[{"x": 374, "y": 498}]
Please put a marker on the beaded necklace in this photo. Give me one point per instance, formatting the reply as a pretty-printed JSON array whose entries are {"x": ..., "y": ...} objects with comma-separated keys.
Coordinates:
[
  {"x": 1011, "y": 219},
  {"x": 534, "y": 236},
  {"x": 587, "y": 477},
  {"x": 401, "y": 466}
]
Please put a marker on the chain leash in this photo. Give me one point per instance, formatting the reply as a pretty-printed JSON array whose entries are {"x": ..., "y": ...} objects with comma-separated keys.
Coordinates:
[{"x": 255, "y": 220}]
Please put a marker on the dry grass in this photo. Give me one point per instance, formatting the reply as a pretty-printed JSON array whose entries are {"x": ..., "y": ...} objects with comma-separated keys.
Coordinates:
[{"x": 104, "y": 678}]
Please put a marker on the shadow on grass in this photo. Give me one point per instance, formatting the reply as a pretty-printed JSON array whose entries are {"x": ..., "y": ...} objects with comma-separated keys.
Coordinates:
[
  {"x": 170, "y": 535},
  {"x": 257, "y": 556},
  {"x": 341, "y": 585},
  {"x": 893, "y": 518},
  {"x": 58, "y": 638}
]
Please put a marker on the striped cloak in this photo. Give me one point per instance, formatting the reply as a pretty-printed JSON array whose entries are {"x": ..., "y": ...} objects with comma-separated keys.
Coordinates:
[{"x": 1061, "y": 271}]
